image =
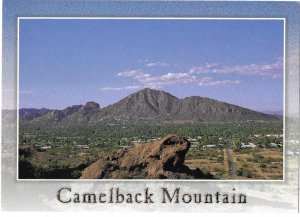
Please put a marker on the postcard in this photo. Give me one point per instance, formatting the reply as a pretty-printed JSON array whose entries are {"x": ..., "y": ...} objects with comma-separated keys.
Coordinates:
[{"x": 110, "y": 106}]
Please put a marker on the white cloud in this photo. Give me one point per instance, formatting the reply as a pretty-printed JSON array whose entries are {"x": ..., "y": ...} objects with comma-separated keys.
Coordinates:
[
  {"x": 218, "y": 83},
  {"x": 210, "y": 65},
  {"x": 271, "y": 70},
  {"x": 159, "y": 81},
  {"x": 132, "y": 87},
  {"x": 193, "y": 75},
  {"x": 158, "y": 64},
  {"x": 136, "y": 74}
]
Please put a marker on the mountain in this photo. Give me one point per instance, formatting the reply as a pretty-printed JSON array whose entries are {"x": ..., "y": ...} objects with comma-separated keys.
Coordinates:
[
  {"x": 30, "y": 113},
  {"x": 146, "y": 103},
  {"x": 278, "y": 113},
  {"x": 71, "y": 114},
  {"x": 149, "y": 105},
  {"x": 201, "y": 109}
]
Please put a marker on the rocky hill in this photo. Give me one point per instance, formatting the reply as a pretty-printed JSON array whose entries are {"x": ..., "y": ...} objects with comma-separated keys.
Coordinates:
[
  {"x": 162, "y": 159},
  {"x": 145, "y": 103},
  {"x": 148, "y": 105},
  {"x": 31, "y": 113}
]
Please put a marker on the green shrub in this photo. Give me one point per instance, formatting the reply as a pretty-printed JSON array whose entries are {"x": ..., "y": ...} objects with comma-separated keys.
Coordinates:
[
  {"x": 262, "y": 165},
  {"x": 219, "y": 174},
  {"x": 220, "y": 159},
  {"x": 245, "y": 172},
  {"x": 76, "y": 174}
]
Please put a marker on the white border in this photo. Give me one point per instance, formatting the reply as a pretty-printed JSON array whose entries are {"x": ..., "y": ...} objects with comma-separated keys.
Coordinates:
[{"x": 152, "y": 18}]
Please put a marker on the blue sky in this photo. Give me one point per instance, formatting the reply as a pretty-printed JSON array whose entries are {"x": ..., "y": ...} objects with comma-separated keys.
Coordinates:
[{"x": 67, "y": 62}]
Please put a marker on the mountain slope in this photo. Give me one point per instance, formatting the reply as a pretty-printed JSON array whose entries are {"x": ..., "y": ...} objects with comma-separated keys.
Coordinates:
[
  {"x": 31, "y": 113},
  {"x": 150, "y": 105},
  {"x": 146, "y": 103},
  {"x": 199, "y": 109}
]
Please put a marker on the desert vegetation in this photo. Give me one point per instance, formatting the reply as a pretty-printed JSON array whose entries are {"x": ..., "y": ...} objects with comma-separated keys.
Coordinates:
[{"x": 64, "y": 152}]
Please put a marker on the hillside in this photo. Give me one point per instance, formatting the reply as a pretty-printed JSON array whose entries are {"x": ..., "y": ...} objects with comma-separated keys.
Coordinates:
[{"x": 147, "y": 105}]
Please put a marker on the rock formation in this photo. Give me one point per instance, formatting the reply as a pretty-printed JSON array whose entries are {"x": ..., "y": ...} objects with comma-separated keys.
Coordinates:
[
  {"x": 27, "y": 151},
  {"x": 91, "y": 105},
  {"x": 162, "y": 159}
]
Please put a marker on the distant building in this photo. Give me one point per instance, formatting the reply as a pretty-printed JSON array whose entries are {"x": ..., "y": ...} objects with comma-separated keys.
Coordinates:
[
  {"x": 209, "y": 146},
  {"x": 273, "y": 145},
  {"x": 82, "y": 146},
  {"x": 125, "y": 147},
  {"x": 250, "y": 145},
  {"x": 153, "y": 139},
  {"x": 192, "y": 140},
  {"x": 139, "y": 141}
]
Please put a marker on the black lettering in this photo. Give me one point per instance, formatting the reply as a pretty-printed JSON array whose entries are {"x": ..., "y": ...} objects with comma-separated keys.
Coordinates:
[
  {"x": 175, "y": 195},
  {"x": 197, "y": 198},
  {"x": 88, "y": 198},
  {"x": 118, "y": 196},
  {"x": 59, "y": 196},
  {"x": 148, "y": 196},
  {"x": 100, "y": 198},
  {"x": 111, "y": 195},
  {"x": 136, "y": 198},
  {"x": 242, "y": 198},
  {"x": 76, "y": 198},
  {"x": 186, "y": 198},
  {"x": 217, "y": 197},
  {"x": 225, "y": 198},
  {"x": 208, "y": 198},
  {"x": 129, "y": 198}
]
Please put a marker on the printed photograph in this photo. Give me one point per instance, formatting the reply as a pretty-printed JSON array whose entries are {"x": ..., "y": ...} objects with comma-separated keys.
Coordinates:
[{"x": 163, "y": 98}]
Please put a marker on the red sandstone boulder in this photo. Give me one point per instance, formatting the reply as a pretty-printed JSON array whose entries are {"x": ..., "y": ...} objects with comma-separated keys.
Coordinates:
[{"x": 160, "y": 159}]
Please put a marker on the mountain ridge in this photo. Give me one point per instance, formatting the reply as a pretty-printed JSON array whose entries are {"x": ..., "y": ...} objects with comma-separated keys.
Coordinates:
[{"x": 149, "y": 105}]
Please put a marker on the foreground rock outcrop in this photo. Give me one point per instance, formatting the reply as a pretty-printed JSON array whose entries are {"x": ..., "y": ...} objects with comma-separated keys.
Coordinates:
[{"x": 162, "y": 159}]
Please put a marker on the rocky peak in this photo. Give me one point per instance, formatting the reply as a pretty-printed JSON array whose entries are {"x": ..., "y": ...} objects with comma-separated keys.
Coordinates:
[
  {"x": 71, "y": 109},
  {"x": 91, "y": 105},
  {"x": 153, "y": 92}
]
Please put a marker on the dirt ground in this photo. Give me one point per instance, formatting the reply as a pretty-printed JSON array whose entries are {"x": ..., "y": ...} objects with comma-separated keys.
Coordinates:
[{"x": 264, "y": 164}]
